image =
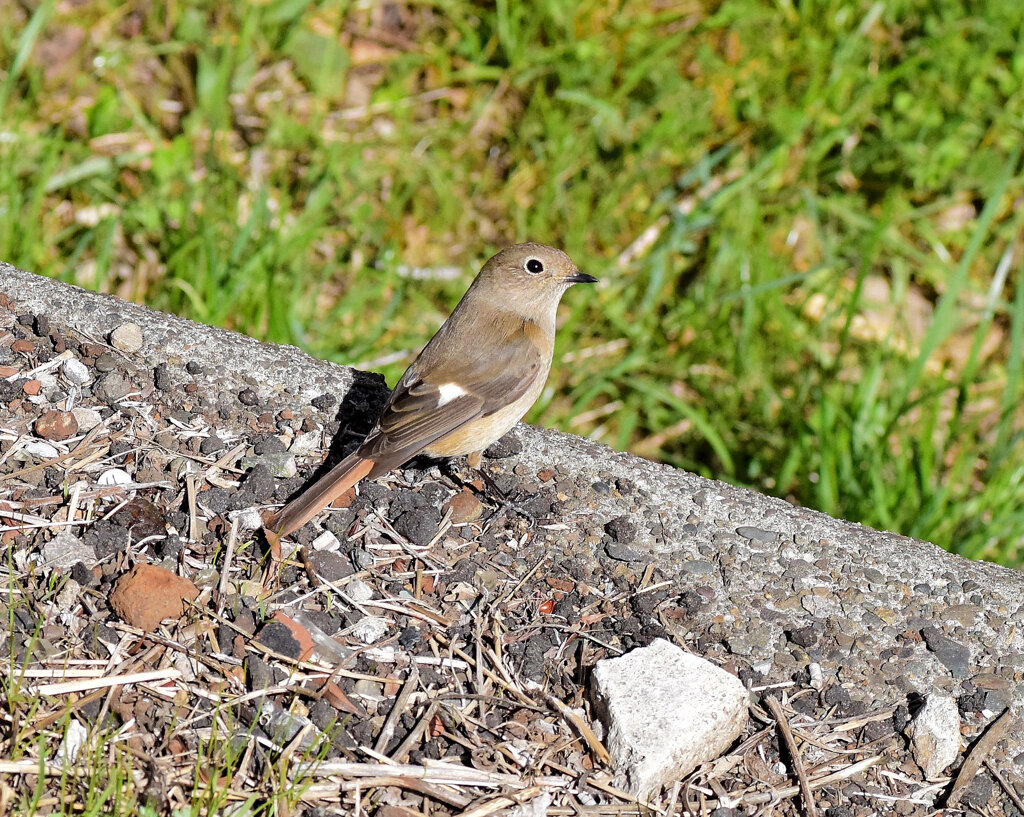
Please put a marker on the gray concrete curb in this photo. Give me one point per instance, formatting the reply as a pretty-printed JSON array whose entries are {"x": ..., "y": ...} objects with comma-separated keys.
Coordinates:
[{"x": 888, "y": 615}]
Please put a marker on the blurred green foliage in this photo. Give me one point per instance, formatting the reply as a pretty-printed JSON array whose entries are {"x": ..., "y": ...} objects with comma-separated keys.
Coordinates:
[{"x": 805, "y": 216}]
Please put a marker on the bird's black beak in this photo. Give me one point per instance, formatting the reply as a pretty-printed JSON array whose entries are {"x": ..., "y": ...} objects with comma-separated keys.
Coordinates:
[{"x": 580, "y": 278}]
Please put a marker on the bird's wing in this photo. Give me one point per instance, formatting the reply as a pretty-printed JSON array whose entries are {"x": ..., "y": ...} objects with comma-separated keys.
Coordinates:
[{"x": 432, "y": 401}]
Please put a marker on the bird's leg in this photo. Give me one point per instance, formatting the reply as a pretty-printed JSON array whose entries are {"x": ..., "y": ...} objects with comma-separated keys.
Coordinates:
[
  {"x": 495, "y": 493},
  {"x": 491, "y": 491}
]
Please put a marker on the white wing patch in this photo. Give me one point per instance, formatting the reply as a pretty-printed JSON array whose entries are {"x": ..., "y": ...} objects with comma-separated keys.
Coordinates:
[{"x": 448, "y": 392}]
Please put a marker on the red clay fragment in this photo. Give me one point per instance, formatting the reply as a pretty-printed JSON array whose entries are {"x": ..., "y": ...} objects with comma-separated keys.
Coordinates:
[
  {"x": 147, "y": 594},
  {"x": 285, "y": 636},
  {"x": 56, "y": 425}
]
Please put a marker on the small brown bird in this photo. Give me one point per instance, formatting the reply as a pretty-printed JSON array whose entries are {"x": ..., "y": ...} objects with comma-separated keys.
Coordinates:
[{"x": 472, "y": 382}]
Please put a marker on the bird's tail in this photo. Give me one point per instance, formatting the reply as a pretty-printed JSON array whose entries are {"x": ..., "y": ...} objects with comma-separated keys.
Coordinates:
[{"x": 319, "y": 495}]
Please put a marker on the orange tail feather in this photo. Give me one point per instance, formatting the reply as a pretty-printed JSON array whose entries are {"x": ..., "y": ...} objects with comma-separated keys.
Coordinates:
[{"x": 319, "y": 495}]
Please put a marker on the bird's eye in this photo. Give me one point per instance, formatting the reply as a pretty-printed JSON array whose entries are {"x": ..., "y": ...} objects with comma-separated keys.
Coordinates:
[{"x": 534, "y": 266}]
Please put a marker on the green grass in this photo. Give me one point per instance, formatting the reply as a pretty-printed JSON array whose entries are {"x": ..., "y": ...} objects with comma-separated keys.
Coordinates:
[{"x": 831, "y": 309}]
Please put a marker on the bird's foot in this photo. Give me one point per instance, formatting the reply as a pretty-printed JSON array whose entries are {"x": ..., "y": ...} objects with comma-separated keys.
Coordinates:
[
  {"x": 505, "y": 502},
  {"x": 493, "y": 493}
]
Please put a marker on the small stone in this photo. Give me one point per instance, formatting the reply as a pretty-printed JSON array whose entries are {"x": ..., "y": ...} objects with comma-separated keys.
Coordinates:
[
  {"x": 804, "y": 636},
  {"x": 281, "y": 465},
  {"x": 410, "y": 637},
  {"x": 66, "y": 550},
  {"x": 326, "y": 541},
  {"x": 258, "y": 674},
  {"x": 148, "y": 594},
  {"x": 328, "y": 566},
  {"x": 86, "y": 418},
  {"x": 935, "y": 735},
  {"x": 115, "y": 476},
  {"x": 260, "y": 483},
  {"x": 83, "y": 575},
  {"x": 211, "y": 444},
  {"x": 757, "y": 534},
  {"x": 621, "y": 553},
  {"x": 270, "y": 444},
  {"x": 127, "y": 338},
  {"x": 369, "y": 690},
  {"x": 112, "y": 387},
  {"x": 464, "y": 507},
  {"x": 76, "y": 372},
  {"x": 699, "y": 567},
  {"x": 418, "y": 525},
  {"x": 193, "y": 368},
  {"x": 370, "y": 629},
  {"x": 39, "y": 449},
  {"x": 248, "y": 397},
  {"x": 324, "y": 401},
  {"x": 106, "y": 362},
  {"x": 22, "y": 346},
  {"x": 954, "y": 656},
  {"x": 874, "y": 575},
  {"x": 248, "y": 518},
  {"x": 162, "y": 378},
  {"x": 68, "y": 596},
  {"x": 32, "y": 387},
  {"x": 359, "y": 591},
  {"x": 362, "y": 559},
  {"x": 622, "y": 530},
  {"x": 665, "y": 711},
  {"x": 988, "y": 680},
  {"x": 305, "y": 444},
  {"x": 142, "y": 518},
  {"x": 56, "y": 425}
]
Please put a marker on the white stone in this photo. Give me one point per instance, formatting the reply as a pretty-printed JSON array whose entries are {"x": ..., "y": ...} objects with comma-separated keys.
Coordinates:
[
  {"x": 280, "y": 463},
  {"x": 75, "y": 737},
  {"x": 127, "y": 337},
  {"x": 370, "y": 629},
  {"x": 817, "y": 677},
  {"x": 248, "y": 518},
  {"x": 67, "y": 599},
  {"x": 76, "y": 372},
  {"x": 305, "y": 443},
  {"x": 37, "y": 448},
  {"x": 115, "y": 476},
  {"x": 87, "y": 418},
  {"x": 935, "y": 735},
  {"x": 665, "y": 711},
  {"x": 65, "y": 550},
  {"x": 359, "y": 591},
  {"x": 326, "y": 541}
]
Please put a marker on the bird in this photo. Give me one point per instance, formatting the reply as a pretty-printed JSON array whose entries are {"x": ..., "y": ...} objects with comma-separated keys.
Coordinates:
[{"x": 473, "y": 381}]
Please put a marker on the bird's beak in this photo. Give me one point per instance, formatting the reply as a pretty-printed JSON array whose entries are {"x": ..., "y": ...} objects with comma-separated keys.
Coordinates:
[{"x": 580, "y": 278}]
